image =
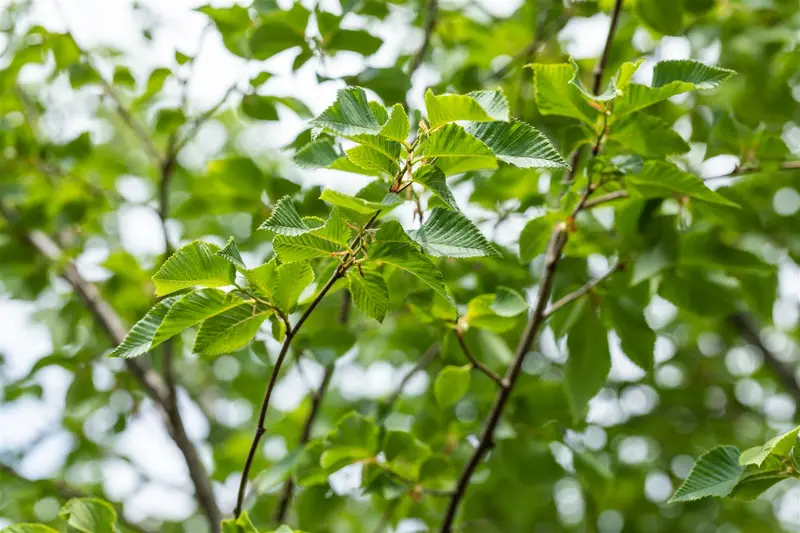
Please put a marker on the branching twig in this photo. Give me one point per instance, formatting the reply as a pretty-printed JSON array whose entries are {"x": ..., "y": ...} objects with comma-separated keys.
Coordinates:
[
  {"x": 67, "y": 492},
  {"x": 476, "y": 363},
  {"x": 316, "y": 404},
  {"x": 156, "y": 389},
  {"x": 586, "y": 289}
]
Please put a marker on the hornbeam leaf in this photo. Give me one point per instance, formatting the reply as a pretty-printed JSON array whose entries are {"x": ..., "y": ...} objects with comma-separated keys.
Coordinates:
[
  {"x": 243, "y": 524},
  {"x": 534, "y": 237},
  {"x": 451, "y": 385},
  {"x": 354, "y": 203},
  {"x": 508, "y": 302},
  {"x": 555, "y": 95},
  {"x": 481, "y": 106},
  {"x": 449, "y": 233},
  {"x": 589, "y": 362},
  {"x": 518, "y": 143},
  {"x": 649, "y": 136},
  {"x": 659, "y": 178},
  {"x": 393, "y": 247},
  {"x": 262, "y": 278},
  {"x": 432, "y": 178},
  {"x": 196, "y": 264},
  {"x": 715, "y": 473},
  {"x": 370, "y": 293},
  {"x": 231, "y": 330},
  {"x": 387, "y": 147},
  {"x": 319, "y": 153},
  {"x": 193, "y": 308},
  {"x": 700, "y": 75},
  {"x": 397, "y": 127},
  {"x": 139, "y": 339},
  {"x": 780, "y": 445},
  {"x": 457, "y": 151},
  {"x": 332, "y": 237},
  {"x": 89, "y": 515},
  {"x": 370, "y": 158},
  {"x": 349, "y": 115},
  {"x": 291, "y": 281},
  {"x": 285, "y": 220},
  {"x": 231, "y": 253}
]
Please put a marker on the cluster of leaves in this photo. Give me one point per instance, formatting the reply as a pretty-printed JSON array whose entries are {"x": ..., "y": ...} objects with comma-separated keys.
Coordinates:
[{"x": 78, "y": 515}]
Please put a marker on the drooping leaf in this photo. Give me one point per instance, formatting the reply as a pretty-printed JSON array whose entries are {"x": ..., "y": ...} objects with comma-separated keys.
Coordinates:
[
  {"x": 449, "y": 233},
  {"x": 715, "y": 473},
  {"x": 589, "y": 362},
  {"x": 191, "y": 309},
  {"x": 457, "y": 151},
  {"x": 487, "y": 106},
  {"x": 451, "y": 385},
  {"x": 194, "y": 265},
  {"x": 349, "y": 115},
  {"x": 291, "y": 280},
  {"x": 659, "y": 179},
  {"x": 397, "y": 127},
  {"x": 433, "y": 179},
  {"x": 518, "y": 144},
  {"x": 285, "y": 220},
  {"x": 139, "y": 339},
  {"x": 370, "y": 293},
  {"x": 780, "y": 446},
  {"x": 230, "y": 330},
  {"x": 89, "y": 515}
]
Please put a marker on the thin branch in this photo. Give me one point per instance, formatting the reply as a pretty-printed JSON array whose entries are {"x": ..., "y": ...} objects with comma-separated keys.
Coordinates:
[
  {"x": 67, "y": 492},
  {"x": 316, "y": 404},
  {"x": 605, "y": 198},
  {"x": 601, "y": 65},
  {"x": 430, "y": 25},
  {"x": 747, "y": 329},
  {"x": 740, "y": 171},
  {"x": 522, "y": 55},
  {"x": 586, "y": 289},
  {"x": 201, "y": 119},
  {"x": 110, "y": 322},
  {"x": 422, "y": 363},
  {"x": 555, "y": 249},
  {"x": 476, "y": 363}
]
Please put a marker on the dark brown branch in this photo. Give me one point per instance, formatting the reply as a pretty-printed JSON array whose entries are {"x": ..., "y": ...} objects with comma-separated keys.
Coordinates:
[
  {"x": 430, "y": 25},
  {"x": 601, "y": 65},
  {"x": 586, "y": 289},
  {"x": 316, "y": 404},
  {"x": 67, "y": 492},
  {"x": 747, "y": 329},
  {"x": 110, "y": 322},
  {"x": 476, "y": 363}
]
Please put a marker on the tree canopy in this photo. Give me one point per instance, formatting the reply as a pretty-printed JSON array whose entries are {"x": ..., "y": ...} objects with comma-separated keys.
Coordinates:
[{"x": 420, "y": 266}]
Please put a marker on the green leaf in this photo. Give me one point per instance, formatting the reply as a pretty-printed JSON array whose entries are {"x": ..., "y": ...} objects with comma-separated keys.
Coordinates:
[
  {"x": 231, "y": 253},
  {"x": 285, "y": 220},
  {"x": 664, "y": 17},
  {"x": 89, "y": 515},
  {"x": 637, "y": 339},
  {"x": 240, "y": 525},
  {"x": 404, "y": 453},
  {"x": 432, "y": 178},
  {"x": 356, "y": 205},
  {"x": 699, "y": 75},
  {"x": 278, "y": 31},
  {"x": 481, "y": 315},
  {"x": 659, "y": 179},
  {"x": 715, "y": 473},
  {"x": 648, "y": 136},
  {"x": 350, "y": 115},
  {"x": 370, "y": 158},
  {"x": 451, "y": 385},
  {"x": 457, "y": 151},
  {"x": 534, "y": 237},
  {"x": 360, "y": 41},
  {"x": 193, "y": 265},
  {"x": 449, "y": 233},
  {"x": 370, "y": 293},
  {"x": 139, "y": 339},
  {"x": 292, "y": 279},
  {"x": 28, "y": 528},
  {"x": 518, "y": 144},
  {"x": 751, "y": 486},
  {"x": 555, "y": 95},
  {"x": 332, "y": 237},
  {"x": 589, "y": 362},
  {"x": 191, "y": 309},
  {"x": 259, "y": 107},
  {"x": 780, "y": 446},
  {"x": 397, "y": 127},
  {"x": 393, "y": 247},
  {"x": 355, "y": 437},
  {"x": 230, "y": 330},
  {"x": 320, "y": 153},
  {"x": 509, "y": 302},
  {"x": 484, "y": 106},
  {"x": 262, "y": 278}
]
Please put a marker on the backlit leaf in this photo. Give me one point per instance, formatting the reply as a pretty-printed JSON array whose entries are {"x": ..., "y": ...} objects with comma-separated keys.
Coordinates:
[
  {"x": 194, "y": 265},
  {"x": 449, "y": 233},
  {"x": 715, "y": 473}
]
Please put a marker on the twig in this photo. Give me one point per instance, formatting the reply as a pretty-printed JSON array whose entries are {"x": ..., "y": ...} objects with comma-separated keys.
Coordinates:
[
  {"x": 430, "y": 25},
  {"x": 194, "y": 127},
  {"x": 316, "y": 404},
  {"x": 746, "y": 328},
  {"x": 600, "y": 67},
  {"x": 427, "y": 358},
  {"x": 605, "y": 198},
  {"x": 67, "y": 492},
  {"x": 739, "y": 171},
  {"x": 476, "y": 363},
  {"x": 586, "y": 289},
  {"x": 156, "y": 389},
  {"x": 553, "y": 255}
]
